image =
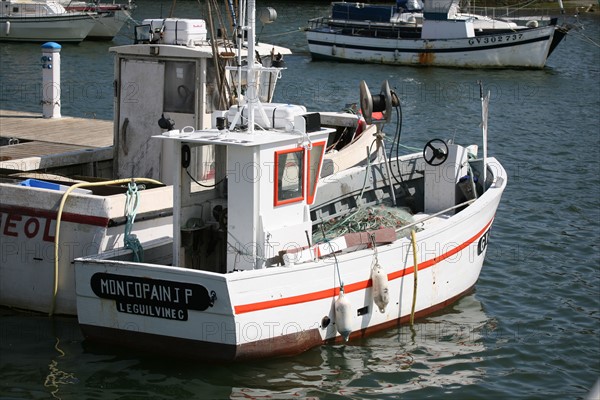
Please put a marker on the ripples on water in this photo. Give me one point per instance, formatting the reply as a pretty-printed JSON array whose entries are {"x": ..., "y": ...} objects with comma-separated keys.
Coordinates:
[{"x": 530, "y": 330}]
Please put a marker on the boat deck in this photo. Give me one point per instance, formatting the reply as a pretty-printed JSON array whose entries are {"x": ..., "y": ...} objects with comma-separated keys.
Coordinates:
[{"x": 30, "y": 142}]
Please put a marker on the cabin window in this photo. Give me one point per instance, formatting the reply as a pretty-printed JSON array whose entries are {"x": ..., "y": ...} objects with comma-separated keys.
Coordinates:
[
  {"x": 289, "y": 176},
  {"x": 202, "y": 169},
  {"x": 180, "y": 84},
  {"x": 213, "y": 98},
  {"x": 315, "y": 158}
]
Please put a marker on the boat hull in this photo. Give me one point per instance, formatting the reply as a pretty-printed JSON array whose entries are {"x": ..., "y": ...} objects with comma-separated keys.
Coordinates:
[
  {"x": 90, "y": 224},
  {"x": 59, "y": 28},
  {"x": 280, "y": 311},
  {"x": 526, "y": 48},
  {"x": 282, "y": 346},
  {"x": 108, "y": 23}
]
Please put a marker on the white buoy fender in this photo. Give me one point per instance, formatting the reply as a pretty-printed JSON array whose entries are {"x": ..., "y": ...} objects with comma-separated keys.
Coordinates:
[
  {"x": 532, "y": 24},
  {"x": 381, "y": 297},
  {"x": 343, "y": 316}
]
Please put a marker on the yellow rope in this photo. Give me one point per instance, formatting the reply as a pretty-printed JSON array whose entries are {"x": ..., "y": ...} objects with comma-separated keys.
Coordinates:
[
  {"x": 413, "y": 237},
  {"x": 59, "y": 216}
]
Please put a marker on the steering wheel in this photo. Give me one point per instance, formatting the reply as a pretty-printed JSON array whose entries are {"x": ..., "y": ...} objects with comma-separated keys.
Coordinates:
[{"x": 435, "y": 152}]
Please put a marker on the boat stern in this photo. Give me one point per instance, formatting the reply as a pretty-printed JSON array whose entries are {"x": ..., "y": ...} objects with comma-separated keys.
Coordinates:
[
  {"x": 187, "y": 310},
  {"x": 183, "y": 312}
]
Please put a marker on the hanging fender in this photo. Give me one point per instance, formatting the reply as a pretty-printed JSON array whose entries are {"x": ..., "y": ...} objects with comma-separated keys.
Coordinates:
[
  {"x": 343, "y": 315},
  {"x": 381, "y": 296}
]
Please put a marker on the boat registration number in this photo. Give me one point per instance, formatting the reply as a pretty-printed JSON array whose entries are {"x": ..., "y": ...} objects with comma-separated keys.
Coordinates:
[
  {"x": 483, "y": 242},
  {"x": 496, "y": 39}
]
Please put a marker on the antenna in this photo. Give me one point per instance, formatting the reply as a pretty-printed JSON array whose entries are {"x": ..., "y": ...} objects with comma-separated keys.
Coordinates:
[{"x": 251, "y": 91}]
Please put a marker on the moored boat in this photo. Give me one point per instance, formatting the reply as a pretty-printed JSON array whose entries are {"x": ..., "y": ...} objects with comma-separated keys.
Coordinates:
[
  {"x": 270, "y": 260},
  {"x": 36, "y": 21},
  {"x": 441, "y": 37}
]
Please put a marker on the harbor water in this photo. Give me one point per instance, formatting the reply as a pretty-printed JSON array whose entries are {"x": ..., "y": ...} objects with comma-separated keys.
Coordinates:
[{"x": 531, "y": 328}]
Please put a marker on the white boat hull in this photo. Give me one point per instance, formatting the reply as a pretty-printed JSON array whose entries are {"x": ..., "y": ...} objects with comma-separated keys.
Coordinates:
[
  {"x": 108, "y": 26},
  {"x": 59, "y": 28},
  {"x": 527, "y": 48},
  {"x": 109, "y": 21},
  {"x": 281, "y": 310},
  {"x": 89, "y": 224}
]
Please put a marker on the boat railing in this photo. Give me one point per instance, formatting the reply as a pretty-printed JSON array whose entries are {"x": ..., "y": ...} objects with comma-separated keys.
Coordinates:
[
  {"x": 364, "y": 28},
  {"x": 315, "y": 23},
  {"x": 514, "y": 14}
]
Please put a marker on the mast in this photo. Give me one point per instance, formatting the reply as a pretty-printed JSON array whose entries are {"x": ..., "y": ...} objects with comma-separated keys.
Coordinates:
[
  {"x": 251, "y": 91},
  {"x": 252, "y": 98},
  {"x": 240, "y": 41}
]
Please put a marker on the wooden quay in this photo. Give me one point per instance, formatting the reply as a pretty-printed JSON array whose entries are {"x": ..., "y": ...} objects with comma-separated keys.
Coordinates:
[{"x": 29, "y": 142}]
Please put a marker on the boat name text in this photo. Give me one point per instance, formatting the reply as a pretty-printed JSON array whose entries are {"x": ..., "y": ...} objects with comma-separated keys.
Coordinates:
[
  {"x": 17, "y": 225},
  {"x": 152, "y": 297}
]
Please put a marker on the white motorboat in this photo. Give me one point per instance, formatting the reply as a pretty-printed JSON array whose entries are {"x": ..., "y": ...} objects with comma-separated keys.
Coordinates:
[
  {"x": 43, "y": 21},
  {"x": 270, "y": 260}
]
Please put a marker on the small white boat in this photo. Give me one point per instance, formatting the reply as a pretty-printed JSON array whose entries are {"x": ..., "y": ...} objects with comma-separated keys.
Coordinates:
[
  {"x": 264, "y": 262},
  {"x": 440, "y": 36},
  {"x": 43, "y": 21},
  {"x": 110, "y": 20}
]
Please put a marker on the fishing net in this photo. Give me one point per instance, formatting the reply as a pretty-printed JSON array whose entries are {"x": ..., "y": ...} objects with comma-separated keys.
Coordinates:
[{"x": 364, "y": 219}]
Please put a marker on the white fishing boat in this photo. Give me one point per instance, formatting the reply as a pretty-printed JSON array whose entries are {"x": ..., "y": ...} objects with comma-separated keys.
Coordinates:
[
  {"x": 30, "y": 20},
  {"x": 247, "y": 275},
  {"x": 443, "y": 36},
  {"x": 110, "y": 20}
]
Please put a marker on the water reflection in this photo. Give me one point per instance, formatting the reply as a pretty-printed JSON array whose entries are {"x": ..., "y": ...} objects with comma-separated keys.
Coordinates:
[
  {"x": 33, "y": 349},
  {"x": 47, "y": 357},
  {"x": 56, "y": 377},
  {"x": 443, "y": 351}
]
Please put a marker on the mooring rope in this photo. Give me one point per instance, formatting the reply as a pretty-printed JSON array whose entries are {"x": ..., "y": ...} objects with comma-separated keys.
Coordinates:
[
  {"x": 413, "y": 237},
  {"x": 59, "y": 218}
]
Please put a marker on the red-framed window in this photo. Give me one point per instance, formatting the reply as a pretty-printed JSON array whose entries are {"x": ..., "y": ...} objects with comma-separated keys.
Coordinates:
[
  {"x": 289, "y": 176},
  {"x": 315, "y": 160}
]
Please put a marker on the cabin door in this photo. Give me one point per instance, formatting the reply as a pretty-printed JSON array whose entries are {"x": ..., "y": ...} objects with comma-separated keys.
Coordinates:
[{"x": 140, "y": 105}]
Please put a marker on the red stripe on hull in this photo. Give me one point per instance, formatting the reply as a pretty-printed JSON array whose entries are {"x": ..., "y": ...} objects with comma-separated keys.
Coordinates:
[{"x": 353, "y": 287}]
